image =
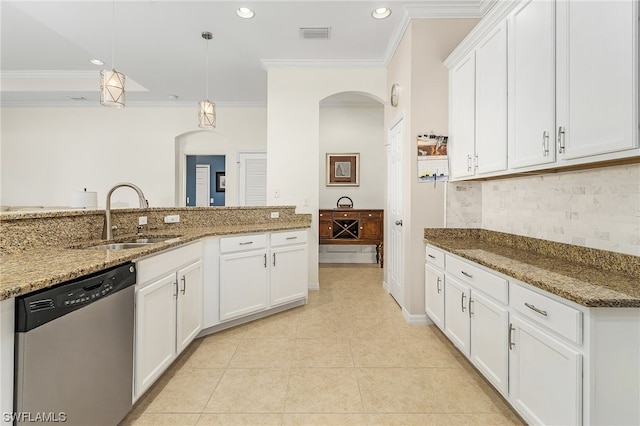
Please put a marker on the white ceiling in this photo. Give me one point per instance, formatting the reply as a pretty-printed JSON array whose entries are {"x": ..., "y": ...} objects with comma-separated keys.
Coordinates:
[{"x": 46, "y": 45}]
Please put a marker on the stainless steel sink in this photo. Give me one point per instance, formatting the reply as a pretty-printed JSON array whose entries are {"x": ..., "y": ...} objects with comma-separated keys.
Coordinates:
[
  {"x": 145, "y": 240},
  {"x": 119, "y": 246}
]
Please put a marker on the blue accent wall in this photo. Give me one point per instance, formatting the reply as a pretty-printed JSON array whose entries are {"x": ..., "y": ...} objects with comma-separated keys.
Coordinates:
[{"x": 216, "y": 164}]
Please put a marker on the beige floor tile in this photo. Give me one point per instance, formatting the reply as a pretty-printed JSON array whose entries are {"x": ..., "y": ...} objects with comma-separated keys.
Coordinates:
[
  {"x": 187, "y": 392},
  {"x": 250, "y": 391},
  {"x": 318, "y": 390},
  {"x": 401, "y": 419},
  {"x": 322, "y": 353},
  {"x": 323, "y": 328},
  {"x": 263, "y": 353},
  {"x": 173, "y": 419},
  {"x": 400, "y": 353},
  {"x": 282, "y": 325},
  {"x": 243, "y": 419},
  {"x": 214, "y": 352},
  {"x": 324, "y": 419}
]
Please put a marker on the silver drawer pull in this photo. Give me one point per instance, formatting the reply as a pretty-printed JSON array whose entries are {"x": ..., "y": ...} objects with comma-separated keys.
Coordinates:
[
  {"x": 533, "y": 308},
  {"x": 245, "y": 243},
  {"x": 466, "y": 274},
  {"x": 511, "y": 343},
  {"x": 291, "y": 238},
  {"x": 431, "y": 256}
]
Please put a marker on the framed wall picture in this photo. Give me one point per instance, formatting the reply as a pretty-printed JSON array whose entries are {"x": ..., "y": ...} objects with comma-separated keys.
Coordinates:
[
  {"x": 343, "y": 169},
  {"x": 221, "y": 182}
]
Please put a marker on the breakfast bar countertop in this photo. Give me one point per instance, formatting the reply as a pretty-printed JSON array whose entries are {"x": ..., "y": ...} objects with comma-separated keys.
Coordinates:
[
  {"x": 588, "y": 277},
  {"x": 31, "y": 270}
]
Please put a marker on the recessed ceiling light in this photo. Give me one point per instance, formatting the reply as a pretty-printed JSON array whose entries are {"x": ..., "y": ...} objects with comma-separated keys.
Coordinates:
[
  {"x": 381, "y": 13},
  {"x": 97, "y": 62},
  {"x": 245, "y": 12}
]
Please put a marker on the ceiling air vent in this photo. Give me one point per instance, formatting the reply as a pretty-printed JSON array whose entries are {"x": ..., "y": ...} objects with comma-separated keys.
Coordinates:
[{"x": 317, "y": 33}]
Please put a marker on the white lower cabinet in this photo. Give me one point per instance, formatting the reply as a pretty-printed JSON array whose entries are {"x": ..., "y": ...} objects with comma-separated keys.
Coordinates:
[
  {"x": 168, "y": 311},
  {"x": 262, "y": 271},
  {"x": 243, "y": 283},
  {"x": 546, "y": 376},
  {"x": 556, "y": 362},
  {"x": 434, "y": 295}
]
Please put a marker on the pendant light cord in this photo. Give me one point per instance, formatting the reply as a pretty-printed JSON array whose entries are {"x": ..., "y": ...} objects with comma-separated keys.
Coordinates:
[
  {"x": 206, "y": 77},
  {"x": 113, "y": 34}
]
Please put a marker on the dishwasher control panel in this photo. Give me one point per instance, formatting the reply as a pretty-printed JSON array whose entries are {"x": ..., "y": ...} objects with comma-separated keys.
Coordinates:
[{"x": 36, "y": 309}]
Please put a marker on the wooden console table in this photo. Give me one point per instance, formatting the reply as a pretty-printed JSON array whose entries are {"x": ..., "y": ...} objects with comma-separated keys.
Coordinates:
[{"x": 352, "y": 226}]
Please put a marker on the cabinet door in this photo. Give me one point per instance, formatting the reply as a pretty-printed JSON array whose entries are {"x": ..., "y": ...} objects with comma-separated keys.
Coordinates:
[
  {"x": 532, "y": 84},
  {"x": 489, "y": 340},
  {"x": 546, "y": 377},
  {"x": 463, "y": 109},
  {"x": 597, "y": 63},
  {"x": 190, "y": 304},
  {"x": 243, "y": 284},
  {"x": 289, "y": 274},
  {"x": 456, "y": 314},
  {"x": 491, "y": 101},
  {"x": 370, "y": 226},
  {"x": 434, "y": 295},
  {"x": 324, "y": 228},
  {"x": 155, "y": 347}
]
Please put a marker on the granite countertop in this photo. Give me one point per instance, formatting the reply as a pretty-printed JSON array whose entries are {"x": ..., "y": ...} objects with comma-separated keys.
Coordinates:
[
  {"x": 589, "y": 277},
  {"x": 31, "y": 270}
]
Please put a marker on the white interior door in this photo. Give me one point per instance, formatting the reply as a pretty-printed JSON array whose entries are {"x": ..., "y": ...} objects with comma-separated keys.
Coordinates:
[
  {"x": 203, "y": 179},
  {"x": 393, "y": 245}
]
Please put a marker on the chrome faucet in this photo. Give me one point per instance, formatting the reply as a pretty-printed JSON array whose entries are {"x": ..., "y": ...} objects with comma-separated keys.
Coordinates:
[{"x": 107, "y": 232}]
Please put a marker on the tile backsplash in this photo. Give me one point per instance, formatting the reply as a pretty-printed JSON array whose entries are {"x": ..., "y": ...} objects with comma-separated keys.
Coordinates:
[{"x": 597, "y": 208}]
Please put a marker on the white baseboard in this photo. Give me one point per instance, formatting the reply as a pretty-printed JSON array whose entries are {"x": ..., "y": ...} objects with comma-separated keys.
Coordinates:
[
  {"x": 314, "y": 286},
  {"x": 415, "y": 319},
  {"x": 385, "y": 286}
]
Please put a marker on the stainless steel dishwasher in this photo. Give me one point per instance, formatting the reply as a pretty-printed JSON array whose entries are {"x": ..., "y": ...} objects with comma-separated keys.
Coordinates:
[{"x": 74, "y": 350}]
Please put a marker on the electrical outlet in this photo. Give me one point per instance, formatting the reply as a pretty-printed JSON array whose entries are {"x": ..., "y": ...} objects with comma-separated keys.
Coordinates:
[
  {"x": 175, "y": 218},
  {"x": 306, "y": 202},
  {"x": 142, "y": 220},
  {"x": 276, "y": 193},
  {"x": 275, "y": 215}
]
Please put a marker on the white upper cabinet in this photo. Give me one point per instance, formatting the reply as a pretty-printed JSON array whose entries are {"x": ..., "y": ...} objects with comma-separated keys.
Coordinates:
[
  {"x": 531, "y": 84},
  {"x": 596, "y": 77},
  {"x": 462, "y": 127},
  {"x": 491, "y": 101}
]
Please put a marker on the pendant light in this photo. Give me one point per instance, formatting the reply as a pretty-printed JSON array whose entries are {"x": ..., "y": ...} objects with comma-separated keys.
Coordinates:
[
  {"x": 206, "y": 109},
  {"x": 111, "y": 81}
]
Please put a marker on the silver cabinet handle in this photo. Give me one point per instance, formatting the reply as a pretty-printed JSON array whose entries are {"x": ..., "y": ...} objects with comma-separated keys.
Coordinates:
[
  {"x": 274, "y": 259},
  {"x": 470, "y": 306},
  {"x": 291, "y": 238},
  {"x": 462, "y": 301},
  {"x": 533, "y": 308},
  {"x": 176, "y": 293},
  {"x": 246, "y": 242},
  {"x": 438, "y": 286},
  {"x": 466, "y": 274},
  {"x": 184, "y": 284},
  {"x": 399, "y": 222},
  {"x": 561, "y": 136},
  {"x": 511, "y": 343},
  {"x": 431, "y": 256},
  {"x": 545, "y": 143},
  {"x": 265, "y": 260}
]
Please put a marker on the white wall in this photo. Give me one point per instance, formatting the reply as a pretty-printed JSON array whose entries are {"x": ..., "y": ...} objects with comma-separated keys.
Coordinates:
[
  {"x": 597, "y": 208},
  {"x": 360, "y": 130},
  {"x": 293, "y": 129},
  {"x": 48, "y": 153},
  {"x": 417, "y": 67}
]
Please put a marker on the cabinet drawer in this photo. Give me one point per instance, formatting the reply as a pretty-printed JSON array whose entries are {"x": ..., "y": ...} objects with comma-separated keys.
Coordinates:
[
  {"x": 370, "y": 215},
  {"x": 288, "y": 237},
  {"x": 243, "y": 242},
  {"x": 345, "y": 215},
  {"x": 434, "y": 257},
  {"x": 558, "y": 317},
  {"x": 487, "y": 282},
  {"x": 167, "y": 261}
]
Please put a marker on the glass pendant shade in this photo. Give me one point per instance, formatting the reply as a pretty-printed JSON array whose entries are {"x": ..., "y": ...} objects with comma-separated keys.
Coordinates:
[
  {"x": 112, "y": 88},
  {"x": 206, "y": 115}
]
